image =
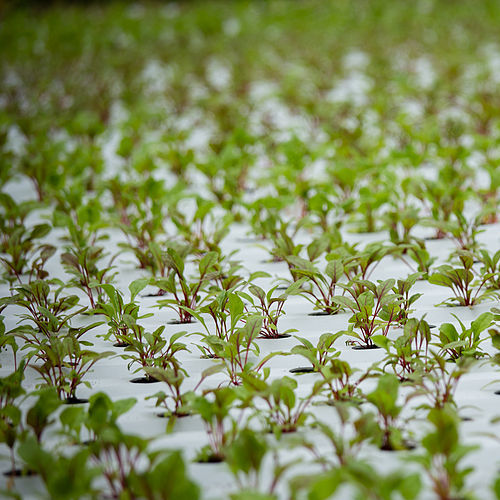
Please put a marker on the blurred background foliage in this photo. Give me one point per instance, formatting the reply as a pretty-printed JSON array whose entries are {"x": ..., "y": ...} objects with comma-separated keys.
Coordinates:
[{"x": 63, "y": 64}]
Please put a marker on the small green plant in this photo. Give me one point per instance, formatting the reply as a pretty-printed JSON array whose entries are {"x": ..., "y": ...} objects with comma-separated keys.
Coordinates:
[
  {"x": 317, "y": 287},
  {"x": 48, "y": 309},
  {"x": 118, "y": 456},
  {"x": 21, "y": 248},
  {"x": 187, "y": 294},
  {"x": 204, "y": 231},
  {"x": 265, "y": 217},
  {"x": 62, "y": 363},
  {"x": 143, "y": 209},
  {"x": 118, "y": 313},
  {"x": 418, "y": 253},
  {"x": 85, "y": 424},
  {"x": 385, "y": 399},
  {"x": 270, "y": 307},
  {"x": 461, "y": 230},
  {"x": 491, "y": 268},
  {"x": 346, "y": 442},
  {"x": 175, "y": 402},
  {"x": 84, "y": 265},
  {"x": 400, "y": 221},
  {"x": 40, "y": 415},
  {"x": 445, "y": 196},
  {"x": 407, "y": 354},
  {"x": 151, "y": 349},
  {"x": 340, "y": 382},
  {"x": 438, "y": 381},
  {"x": 283, "y": 244},
  {"x": 465, "y": 343},
  {"x": 214, "y": 409},
  {"x": 370, "y": 199},
  {"x": 227, "y": 311},
  {"x": 361, "y": 264},
  {"x": 362, "y": 479},
  {"x": 150, "y": 484},
  {"x": 467, "y": 290},
  {"x": 318, "y": 355},
  {"x": 375, "y": 308},
  {"x": 13, "y": 216},
  {"x": 239, "y": 353},
  {"x": 403, "y": 288},
  {"x": 283, "y": 412},
  {"x": 444, "y": 454},
  {"x": 62, "y": 476},
  {"x": 80, "y": 217},
  {"x": 247, "y": 459},
  {"x": 11, "y": 390},
  {"x": 8, "y": 340}
]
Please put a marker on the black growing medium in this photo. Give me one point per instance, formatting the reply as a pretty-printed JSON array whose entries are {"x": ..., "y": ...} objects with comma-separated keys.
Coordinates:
[
  {"x": 144, "y": 380},
  {"x": 302, "y": 369}
]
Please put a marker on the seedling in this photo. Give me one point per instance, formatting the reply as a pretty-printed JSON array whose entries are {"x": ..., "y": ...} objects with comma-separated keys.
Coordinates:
[
  {"x": 63, "y": 476},
  {"x": 408, "y": 353},
  {"x": 361, "y": 264},
  {"x": 214, "y": 408},
  {"x": 283, "y": 412},
  {"x": 120, "y": 314},
  {"x": 84, "y": 265},
  {"x": 21, "y": 248},
  {"x": 150, "y": 350},
  {"x": 47, "y": 309},
  {"x": 348, "y": 440},
  {"x": 340, "y": 383},
  {"x": 385, "y": 399},
  {"x": 8, "y": 340},
  {"x": 400, "y": 221},
  {"x": 64, "y": 363},
  {"x": 204, "y": 231},
  {"x": 421, "y": 257},
  {"x": 362, "y": 479},
  {"x": 319, "y": 355},
  {"x": 438, "y": 382},
  {"x": 271, "y": 308},
  {"x": 443, "y": 459},
  {"x": 101, "y": 413},
  {"x": 149, "y": 483},
  {"x": 375, "y": 309},
  {"x": 467, "y": 290},
  {"x": 186, "y": 293},
  {"x": 317, "y": 287},
  {"x": 461, "y": 230},
  {"x": 144, "y": 208},
  {"x": 466, "y": 343},
  {"x": 175, "y": 402},
  {"x": 491, "y": 268},
  {"x": 283, "y": 244},
  {"x": 11, "y": 390},
  {"x": 247, "y": 459},
  {"x": 227, "y": 310},
  {"x": 239, "y": 353},
  {"x": 403, "y": 288}
]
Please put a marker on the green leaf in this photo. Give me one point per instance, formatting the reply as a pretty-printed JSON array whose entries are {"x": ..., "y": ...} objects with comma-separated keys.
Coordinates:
[
  {"x": 137, "y": 286},
  {"x": 258, "y": 292},
  {"x": 482, "y": 322},
  {"x": 295, "y": 287},
  {"x": 448, "y": 333},
  {"x": 381, "y": 341},
  {"x": 207, "y": 262},
  {"x": 345, "y": 302}
]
